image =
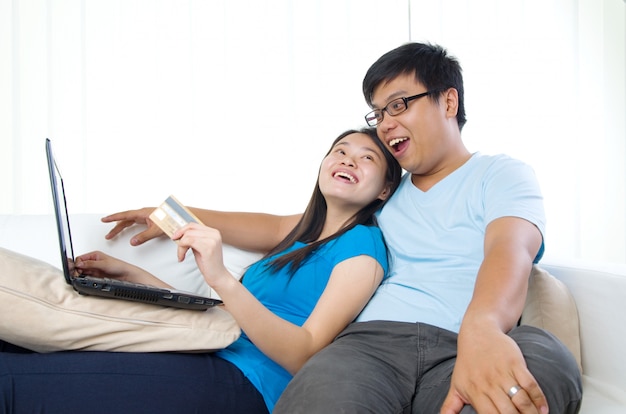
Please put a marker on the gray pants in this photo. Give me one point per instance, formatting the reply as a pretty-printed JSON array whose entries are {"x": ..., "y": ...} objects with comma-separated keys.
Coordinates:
[{"x": 395, "y": 367}]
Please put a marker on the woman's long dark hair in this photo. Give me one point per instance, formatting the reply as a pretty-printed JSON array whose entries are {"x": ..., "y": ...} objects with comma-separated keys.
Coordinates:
[{"x": 312, "y": 222}]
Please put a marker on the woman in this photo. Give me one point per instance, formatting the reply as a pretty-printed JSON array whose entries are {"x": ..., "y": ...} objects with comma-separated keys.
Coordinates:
[{"x": 289, "y": 305}]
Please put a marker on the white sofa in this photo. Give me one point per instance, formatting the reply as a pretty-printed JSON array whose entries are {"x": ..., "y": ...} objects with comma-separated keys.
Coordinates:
[{"x": 599, "y": 291}]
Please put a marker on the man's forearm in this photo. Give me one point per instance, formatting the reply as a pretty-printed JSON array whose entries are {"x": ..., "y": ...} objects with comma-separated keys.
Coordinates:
[{"x": 257, "y": 232}]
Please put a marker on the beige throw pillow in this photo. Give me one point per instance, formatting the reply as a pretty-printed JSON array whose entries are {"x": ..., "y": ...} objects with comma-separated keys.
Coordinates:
[
  {"x": 43, "y": 313},
  {"x": 550, "y": 306}
]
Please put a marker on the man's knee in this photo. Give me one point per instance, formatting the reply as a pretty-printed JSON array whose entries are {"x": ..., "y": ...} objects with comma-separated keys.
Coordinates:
[{"x": 553, "y": 366}]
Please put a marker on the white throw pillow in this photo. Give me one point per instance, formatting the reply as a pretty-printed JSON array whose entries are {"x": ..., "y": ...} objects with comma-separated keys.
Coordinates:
[{"x": 551, "y": 306}]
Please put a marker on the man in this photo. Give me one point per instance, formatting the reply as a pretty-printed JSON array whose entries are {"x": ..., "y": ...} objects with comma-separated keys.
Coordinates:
[{"x": 463, "y": 231}]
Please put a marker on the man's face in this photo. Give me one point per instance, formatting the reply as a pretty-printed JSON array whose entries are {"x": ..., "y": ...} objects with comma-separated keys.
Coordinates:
[{"x": 418, "y": 137}]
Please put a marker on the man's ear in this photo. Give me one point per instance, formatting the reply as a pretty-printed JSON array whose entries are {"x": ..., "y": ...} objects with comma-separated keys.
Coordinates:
[{"x": 452, "y": 102}]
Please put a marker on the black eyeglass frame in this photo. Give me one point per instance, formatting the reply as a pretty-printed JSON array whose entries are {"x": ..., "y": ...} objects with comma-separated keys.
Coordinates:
[{"x": 370, "y": 116}]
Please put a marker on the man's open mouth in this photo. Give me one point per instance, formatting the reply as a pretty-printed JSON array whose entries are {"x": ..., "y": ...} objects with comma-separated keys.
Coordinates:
[{"x": 396, "y": 143}]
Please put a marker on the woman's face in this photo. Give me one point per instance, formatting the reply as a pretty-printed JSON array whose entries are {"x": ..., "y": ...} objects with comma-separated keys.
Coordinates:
[{"x": 353, "y": 172}]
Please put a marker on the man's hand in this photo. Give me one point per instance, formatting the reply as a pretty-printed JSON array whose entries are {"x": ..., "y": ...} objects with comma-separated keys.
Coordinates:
[
  {"x": 488, "y": 364},
  {"x": 129, "y": 218}
]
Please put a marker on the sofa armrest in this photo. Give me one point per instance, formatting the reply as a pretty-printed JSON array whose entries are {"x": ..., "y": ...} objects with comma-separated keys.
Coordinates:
[{"x": 599, "y": 290}]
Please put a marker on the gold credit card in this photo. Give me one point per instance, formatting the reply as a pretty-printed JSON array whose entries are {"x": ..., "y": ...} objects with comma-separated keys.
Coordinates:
[{"x": 171, "y": 215}]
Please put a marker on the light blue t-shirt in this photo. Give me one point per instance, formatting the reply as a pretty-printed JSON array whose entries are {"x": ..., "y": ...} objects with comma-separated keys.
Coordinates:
[
  {"x": 293, "y": 299},
  {"x": 436, "y": 238}
]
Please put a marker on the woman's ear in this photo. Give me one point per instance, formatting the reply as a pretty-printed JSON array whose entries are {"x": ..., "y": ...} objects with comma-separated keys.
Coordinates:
[{"x": 384, "y": 195}]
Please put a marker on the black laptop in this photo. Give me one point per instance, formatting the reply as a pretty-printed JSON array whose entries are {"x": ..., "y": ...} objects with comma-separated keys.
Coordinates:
[{"x": 104, "y": 287}]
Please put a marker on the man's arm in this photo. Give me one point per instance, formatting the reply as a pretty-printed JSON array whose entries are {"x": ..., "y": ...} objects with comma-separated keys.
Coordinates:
[
  {"x": 258, "y": 232},
  {"x": 250, "y": 231},
  {"x": 488, "y": 362}
]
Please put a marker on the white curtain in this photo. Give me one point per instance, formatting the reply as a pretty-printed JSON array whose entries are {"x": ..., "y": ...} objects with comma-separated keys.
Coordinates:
[{"x": 231, "y": 104}]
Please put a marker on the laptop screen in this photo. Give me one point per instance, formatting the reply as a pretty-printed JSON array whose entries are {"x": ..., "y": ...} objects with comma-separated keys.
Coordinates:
[{"x": 62, "y": 217}]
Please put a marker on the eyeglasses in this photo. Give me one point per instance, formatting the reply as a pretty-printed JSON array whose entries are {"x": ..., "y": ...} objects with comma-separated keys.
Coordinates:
[{"x": 393, "y": 108}]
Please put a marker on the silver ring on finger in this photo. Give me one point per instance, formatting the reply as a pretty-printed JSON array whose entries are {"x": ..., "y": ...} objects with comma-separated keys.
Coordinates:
[{"x": 513, "y": 390}]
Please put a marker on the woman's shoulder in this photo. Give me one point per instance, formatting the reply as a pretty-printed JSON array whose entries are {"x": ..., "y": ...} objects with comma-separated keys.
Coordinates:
[
  {"x": 362, "y": 230},
  {"x": 360, "y": 240},
  {"x": 361, "y": 235}
]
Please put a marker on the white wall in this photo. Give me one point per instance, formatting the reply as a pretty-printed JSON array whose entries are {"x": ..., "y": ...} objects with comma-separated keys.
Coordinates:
[
  {"x": 223, "y": 103},
  {"x": 230, "y": 105},
  {"x": 546, "y": 82}
]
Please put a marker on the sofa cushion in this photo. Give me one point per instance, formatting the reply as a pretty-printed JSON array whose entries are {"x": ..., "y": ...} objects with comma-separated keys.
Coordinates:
[
  {"x": 550, "y": 306},
  {"x": 43, "y": 313}
]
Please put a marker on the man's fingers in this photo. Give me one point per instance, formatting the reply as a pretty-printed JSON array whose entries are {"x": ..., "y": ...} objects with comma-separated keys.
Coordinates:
[
  {"x": 536, "y": 396},
  {"x": 114, "y": 232},
  {"x": 452, "y": 404},
  {"x": 140, "y": 238},
  {"x": 148, "y": 234},
  {"x": 118, "y": 228}
]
